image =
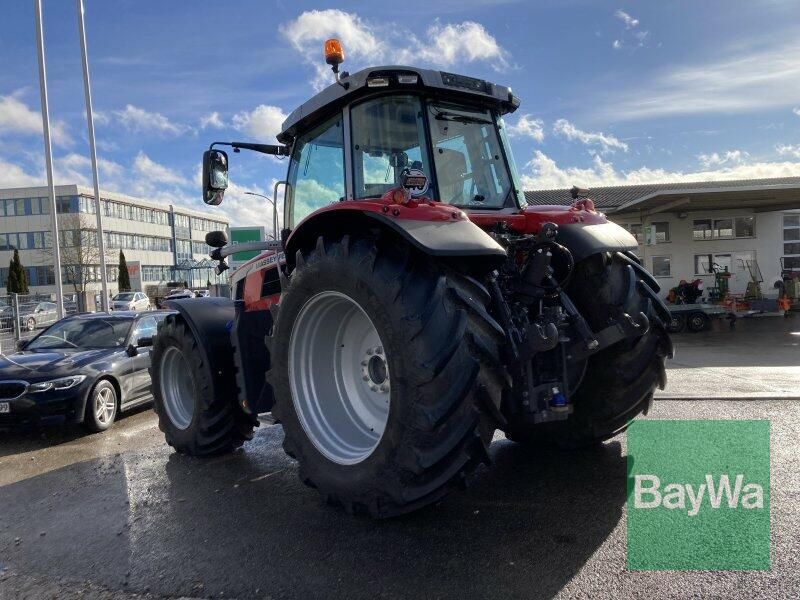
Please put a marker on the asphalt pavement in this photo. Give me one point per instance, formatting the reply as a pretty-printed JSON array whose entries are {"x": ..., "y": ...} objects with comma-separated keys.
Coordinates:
[
  {"x": 120, "y": 514},
  {"x": 760, "y": 358}
]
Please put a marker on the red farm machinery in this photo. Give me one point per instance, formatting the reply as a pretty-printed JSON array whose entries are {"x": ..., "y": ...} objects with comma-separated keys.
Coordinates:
[{"x": 413, "y": 304}]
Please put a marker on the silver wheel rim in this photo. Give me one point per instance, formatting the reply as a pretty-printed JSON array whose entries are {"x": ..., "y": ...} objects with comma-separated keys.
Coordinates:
[
  {"x": 105, "y": 405},
  {"x": 339, "y": 377},
  {"x": 31, "y": 324},
  {"x": 177, "y": 388}
]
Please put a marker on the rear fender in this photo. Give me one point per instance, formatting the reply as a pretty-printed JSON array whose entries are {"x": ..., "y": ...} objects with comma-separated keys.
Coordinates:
[
  {"x": 220, "y": 325},
  {"x": 585, "y": 239},
  {"x": 434, "y": 229}
]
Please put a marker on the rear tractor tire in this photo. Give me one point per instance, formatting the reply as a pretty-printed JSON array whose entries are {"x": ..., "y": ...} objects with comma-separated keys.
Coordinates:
[
  {"x": 195, "y": 420},
  {"x": 385, "y": 365},
  {"x": 619, "y": 381}
]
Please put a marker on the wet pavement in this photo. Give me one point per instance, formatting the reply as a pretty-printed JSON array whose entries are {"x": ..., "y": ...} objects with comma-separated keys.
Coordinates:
[{"x": 120, "y": 514}]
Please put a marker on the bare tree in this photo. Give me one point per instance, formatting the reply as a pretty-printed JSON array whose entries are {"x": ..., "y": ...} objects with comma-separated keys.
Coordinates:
[{"x": 80, "y": 250}]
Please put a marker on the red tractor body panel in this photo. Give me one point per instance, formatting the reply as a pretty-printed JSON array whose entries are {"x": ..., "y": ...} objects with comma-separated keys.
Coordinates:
[{"x": 522, "y": 221}]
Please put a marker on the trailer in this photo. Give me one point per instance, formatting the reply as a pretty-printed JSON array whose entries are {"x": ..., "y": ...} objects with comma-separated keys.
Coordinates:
[{"x": 695, "y": 317}]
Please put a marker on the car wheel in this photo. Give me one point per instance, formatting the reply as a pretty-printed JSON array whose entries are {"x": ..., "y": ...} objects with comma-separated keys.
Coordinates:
[
  {"x": 677, "y": 324},
  {"x": 698, "y": 322},
  {"x": 30, "y": 324},
  {"x": 101, "y": 407}
]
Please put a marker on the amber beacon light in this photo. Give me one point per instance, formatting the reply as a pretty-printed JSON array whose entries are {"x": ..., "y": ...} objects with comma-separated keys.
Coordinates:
[{"x": 334, "y": 53}]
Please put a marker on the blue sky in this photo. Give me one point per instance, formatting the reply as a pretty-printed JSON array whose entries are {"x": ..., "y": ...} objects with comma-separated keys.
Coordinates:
[{"x": 612, "y": 92}]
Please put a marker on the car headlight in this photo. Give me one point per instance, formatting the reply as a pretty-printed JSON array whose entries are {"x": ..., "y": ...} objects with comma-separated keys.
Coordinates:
[{"x": 63, "y": 383}]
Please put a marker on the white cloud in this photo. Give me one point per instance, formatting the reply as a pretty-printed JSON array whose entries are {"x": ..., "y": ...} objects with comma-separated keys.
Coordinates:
[
  {"x": 155, "y": 172},
  {"x": 629, "y": 21},
  {"x": 16, "y": 117},
  {"x": 12, "y": 175},
  {"x": 714, "y": 159},
  {"x": 791, "y": 150},
  {"x": 796, "y": 110},
  {"x": 211, "y": 120},
  {"x": 450, "y": 44},
  {"x": 443, "y": 45},
  {"x": 71, "y": 168},
  {"x": 607, "y": 142},
  {"x": 263, "y": 122},
  {"x": 630, "y": 37},
  {"x": 526, "y": 126},
  {"x": 542, "y": 172},
  {"x": 138, "y": 119},
  {"x": 76, "y": 168},
  {"x": 753, "y": 78}
]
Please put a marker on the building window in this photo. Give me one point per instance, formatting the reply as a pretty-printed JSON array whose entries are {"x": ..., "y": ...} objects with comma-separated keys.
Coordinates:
[
  {"x": 662, "y": 266},
  {"x": 791, "y": 241},
  {"x": 701, "y": 230},
  {"x": 702, "y": 263},
  {"x": 660, "y": 231},
  {"x": 729, "y": 228}
]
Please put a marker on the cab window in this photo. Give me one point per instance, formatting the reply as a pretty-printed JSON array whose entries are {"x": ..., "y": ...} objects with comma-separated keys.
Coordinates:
[
  {"x": 470, "y": 166},
  {"x": 316, "y": 173},
  {"x": 388, "y": 136}
]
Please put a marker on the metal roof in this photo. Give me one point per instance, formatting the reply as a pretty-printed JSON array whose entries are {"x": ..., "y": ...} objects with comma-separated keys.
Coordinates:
[
  {"x": 776, "y": 191},
  {"x": 354, "y": 86}
]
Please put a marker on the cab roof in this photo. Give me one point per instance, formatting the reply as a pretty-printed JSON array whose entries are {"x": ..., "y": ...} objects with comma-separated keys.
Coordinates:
[{"x": 440, "y": 83}]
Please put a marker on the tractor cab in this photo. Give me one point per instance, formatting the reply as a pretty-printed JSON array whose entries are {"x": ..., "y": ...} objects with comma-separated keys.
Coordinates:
[{"x": 437, "y": 135}]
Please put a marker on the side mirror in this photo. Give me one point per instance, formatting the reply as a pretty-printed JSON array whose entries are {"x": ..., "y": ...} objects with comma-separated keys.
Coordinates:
[
  {"x": 131, "y": 350},
  {"x": 216, "y": 239},
  {"x": 215, "y": 176},
  {"x": 145, "y": 342},
  {"x": 21, "y": 344}
]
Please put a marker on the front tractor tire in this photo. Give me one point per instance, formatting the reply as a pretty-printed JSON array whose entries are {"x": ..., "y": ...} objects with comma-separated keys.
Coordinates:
[
  {"x": 197, "y": 417},
  {"x": 619, "y": 381},
  {"x": 385, "y": 367}
]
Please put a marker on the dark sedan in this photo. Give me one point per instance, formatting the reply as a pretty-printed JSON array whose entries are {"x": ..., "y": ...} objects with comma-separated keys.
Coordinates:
[{"x": 84, "y": 369}]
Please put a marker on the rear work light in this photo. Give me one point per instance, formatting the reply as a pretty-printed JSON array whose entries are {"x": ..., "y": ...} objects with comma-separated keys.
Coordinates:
[
  {"x": 378, "y": 82},
  {"x": 407, "y": 79}
]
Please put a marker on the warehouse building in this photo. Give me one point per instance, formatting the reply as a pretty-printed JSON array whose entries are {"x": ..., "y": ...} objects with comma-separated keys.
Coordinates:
[
  {"x": 749, "y": 227},
  {"x": 161, "y": 243}
]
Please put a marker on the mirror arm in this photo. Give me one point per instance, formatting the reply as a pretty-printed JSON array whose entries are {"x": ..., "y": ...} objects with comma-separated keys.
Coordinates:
[{"x": 272, "y": 149}]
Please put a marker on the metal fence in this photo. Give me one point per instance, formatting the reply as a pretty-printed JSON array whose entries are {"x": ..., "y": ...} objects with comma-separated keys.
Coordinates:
[{"x": 23, "y": 316}]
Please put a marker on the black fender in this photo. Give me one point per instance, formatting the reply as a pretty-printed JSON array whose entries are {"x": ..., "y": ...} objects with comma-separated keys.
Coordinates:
[
  {"x": 210, "y": 320},
  {"x": 583, "y": 239},
  {"x": 459, "y": 238},
  {"x": 232, "y": 343}
]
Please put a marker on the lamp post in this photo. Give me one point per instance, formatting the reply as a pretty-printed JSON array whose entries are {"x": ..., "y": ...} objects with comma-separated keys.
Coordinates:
[{"x": 274, "y": 212}]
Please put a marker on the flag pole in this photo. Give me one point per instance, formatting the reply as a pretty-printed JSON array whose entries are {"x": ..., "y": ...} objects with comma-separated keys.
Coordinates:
[
  {"x": 87, "y": 92},
  {"x": 48, "y": 159}
]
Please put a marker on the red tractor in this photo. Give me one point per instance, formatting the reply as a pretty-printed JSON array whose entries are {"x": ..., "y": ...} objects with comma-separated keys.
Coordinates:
[{"x": 414, "y": 303}]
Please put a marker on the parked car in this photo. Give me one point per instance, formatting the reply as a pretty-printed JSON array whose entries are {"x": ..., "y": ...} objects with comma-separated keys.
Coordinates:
[
  {"x": 37, "y": 315},
  {"x": 85, "y": 368},
  {"x": 130, "y": 301},
  {"x": 201, "y": 294},
  {"x": 179, "y": 294}
]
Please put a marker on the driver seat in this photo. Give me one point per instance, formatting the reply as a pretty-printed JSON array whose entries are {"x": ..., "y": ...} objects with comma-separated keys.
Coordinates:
[{"x": 451, "y": 166}]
